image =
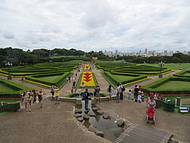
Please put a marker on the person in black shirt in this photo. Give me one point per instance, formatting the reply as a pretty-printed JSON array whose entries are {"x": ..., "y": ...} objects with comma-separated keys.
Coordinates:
[
  {"x": 136, "y": 91},
  {"x": 86, "y": 96}
]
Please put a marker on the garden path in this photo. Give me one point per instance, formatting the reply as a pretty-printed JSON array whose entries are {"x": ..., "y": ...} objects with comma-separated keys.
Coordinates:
[
  {"x": 54, "y": 123},
  {"x": 66, "y": 89},
  {"x": 101, "y": 80}
]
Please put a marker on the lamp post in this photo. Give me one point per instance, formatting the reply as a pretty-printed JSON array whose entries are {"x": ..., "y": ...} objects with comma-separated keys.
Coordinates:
[{"x": 161, "y": 68}]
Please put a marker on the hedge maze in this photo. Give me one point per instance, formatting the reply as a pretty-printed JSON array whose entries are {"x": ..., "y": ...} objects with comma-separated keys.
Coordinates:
[
  {"x": 177, "y": 84},
  {"x": 120, "y": 72},
  {"x": 45, "y": 74}
]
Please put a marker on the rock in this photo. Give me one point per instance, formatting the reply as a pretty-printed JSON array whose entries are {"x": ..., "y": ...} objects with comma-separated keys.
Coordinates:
[
  {"x": 86, "y": 117},
  {"x": 100, "y": 133},
  {"x": 78, "y": 115},
  {"x": 120, "y": 123},
  {"x": 78, "y": 111},
  {"x": 106, "y": 116},
  {"x": 80, "y": 119},
  {"x": 92, "y": 129},
  {"x": 91, "y": 114}
]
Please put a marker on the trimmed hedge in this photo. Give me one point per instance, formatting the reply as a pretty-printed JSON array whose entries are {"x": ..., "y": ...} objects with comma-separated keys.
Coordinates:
[
  {"x": 125, "y": 82},
  {"x": 58, "y": 83},
  {"x": 12, "y": 94},
  {"x": 152, "y": 87},
  {"x": 9, "y": 107}
]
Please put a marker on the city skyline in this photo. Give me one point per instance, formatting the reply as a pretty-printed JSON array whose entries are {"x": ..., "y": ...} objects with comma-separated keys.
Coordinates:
[{"x": 125, "y": 25}]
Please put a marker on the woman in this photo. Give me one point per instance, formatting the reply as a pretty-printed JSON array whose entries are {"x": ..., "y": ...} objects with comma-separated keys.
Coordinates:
[
  {"x": 109, "y": 91},
  {"x": 40, "y": 94}
]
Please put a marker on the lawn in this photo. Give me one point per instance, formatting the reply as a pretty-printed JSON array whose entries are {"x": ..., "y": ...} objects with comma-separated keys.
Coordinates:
[
  {"x": 50, "y": 78},
  {"x": 120, "y": 78},
  {"x": 174, "y": 86},
  {"x": 5, "y": 89},
  {"x": 186, "y": 74},
  {"x": 174, "y": 66}
]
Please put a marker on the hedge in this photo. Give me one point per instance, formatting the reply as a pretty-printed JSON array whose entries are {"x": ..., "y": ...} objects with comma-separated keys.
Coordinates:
[
  {"x": 58, "y": 83},
  {"x": 152, "y": 87},
  {"x": 13, "y": 94},
  {"x": 125, "y": 82},
  {"x": 9, "y": 107}
]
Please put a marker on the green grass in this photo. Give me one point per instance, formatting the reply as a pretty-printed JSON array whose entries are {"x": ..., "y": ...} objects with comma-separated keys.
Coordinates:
[
  {"x": 174, "y": 86},
  {"x": 174, "y": 66},
  {"x": 6, "y": 89},
  {"x": 120, "y": 78},
  {"x": 186, "y": 74},
  {"x": 50, "y": 78}
]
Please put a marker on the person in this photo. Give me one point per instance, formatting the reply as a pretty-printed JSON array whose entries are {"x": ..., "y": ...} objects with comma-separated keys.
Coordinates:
[
  {"x": 97, "y": 93},
  {"x": 40, "y": 94},
  {"x": 86, "y": 96},
  {"x": 151, "y": 102},
  {"x": 122, "y": 89},
  {"x": 34, "y": 96},
  {"x": 57, "y": 97},
  {"x": 136, "y": 91},
  {"x": 139, "y": 98},
  {"x": 52, "y": 91},
  {"x": 118, "y": 93},
  {"x": 83, "y": 85},
  {"x": 69, "y": 78},
  {"x": 130, "y": 94},
  {"x": 30, "y": 96},
  {"x": 110, "y": 92},
  {"x": 25, "y": 100}
]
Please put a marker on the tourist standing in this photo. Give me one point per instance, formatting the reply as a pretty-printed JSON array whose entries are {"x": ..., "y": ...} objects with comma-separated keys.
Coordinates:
[
  {"x": 34, "y": 96},
  {"x": 110, "y": 92},
  {"x": 25, "y": 100},
  {"x": 30, "y": 97},
  {"x": 136, "y": 92},
  {"x": 130, "y": 94},
  {"x": 52, "y": 91},
  {"x": 86, "y": 96},
  {"x": 40, "y": 97},
  {"x": 83, "y": 85},
  {"x": 56, "y": 97},
  {"x": 118, "y": 93},
  {"x": 97, "y": 93},
  {"x": 122, "y": 89}
]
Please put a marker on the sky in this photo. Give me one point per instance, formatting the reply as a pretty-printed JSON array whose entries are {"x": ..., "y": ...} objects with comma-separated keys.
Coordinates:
[{"x": 123, "y": 25}]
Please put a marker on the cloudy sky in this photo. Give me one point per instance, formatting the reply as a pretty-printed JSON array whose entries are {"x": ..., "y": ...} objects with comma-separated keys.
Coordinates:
[{"x": 126, "y": 25}]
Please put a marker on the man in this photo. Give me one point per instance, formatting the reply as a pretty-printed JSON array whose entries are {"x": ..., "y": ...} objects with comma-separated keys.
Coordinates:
[
  {"x": 122, "y": 89},
  {"x": 136, "y": 92},
  {"x": 86, "y": 96}
]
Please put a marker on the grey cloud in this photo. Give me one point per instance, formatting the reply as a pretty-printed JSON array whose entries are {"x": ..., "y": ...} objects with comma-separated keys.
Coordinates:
[{"x": 96, "y": 25}]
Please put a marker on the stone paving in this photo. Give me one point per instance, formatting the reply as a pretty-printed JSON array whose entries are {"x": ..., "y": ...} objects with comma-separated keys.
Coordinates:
[
  {"x": 53, "y": 123},
  {"x": 177, "y": 124}
]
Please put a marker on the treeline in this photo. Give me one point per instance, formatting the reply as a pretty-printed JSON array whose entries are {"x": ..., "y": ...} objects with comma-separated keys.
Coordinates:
[
  {"x": 176, "y": 58},
  {"x": 14, "y": 56}
]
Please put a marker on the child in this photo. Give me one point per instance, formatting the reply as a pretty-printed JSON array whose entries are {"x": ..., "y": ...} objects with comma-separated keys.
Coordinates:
[
  {"x": 129, "y": 94},
  {"x": 139, "y": 98}
]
